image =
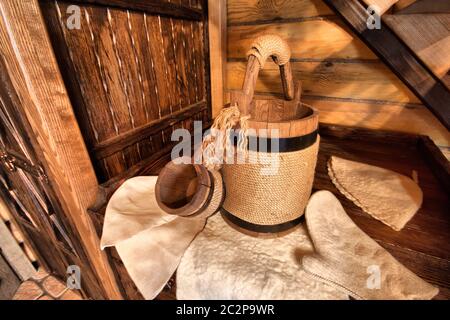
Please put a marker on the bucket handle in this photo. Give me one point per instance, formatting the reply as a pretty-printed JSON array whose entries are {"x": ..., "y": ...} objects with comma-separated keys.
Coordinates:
[{"x": 262, "y": 48}]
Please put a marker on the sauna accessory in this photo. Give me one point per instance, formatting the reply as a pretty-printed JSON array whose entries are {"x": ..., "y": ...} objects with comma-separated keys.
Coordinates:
[
  {"x": 269, "y": 192},
  {"x": 150, "y": 241},
  {"x": 347, "y": 258},
  {"x": 386, "y": 195},
  {"x": 188, "y": 190}
]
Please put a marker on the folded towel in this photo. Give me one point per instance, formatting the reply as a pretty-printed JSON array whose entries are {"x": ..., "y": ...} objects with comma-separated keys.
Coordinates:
[
  {"x": 347, "y": 258},
  {"x": 149, "y": 241},
  {"x": 386, "y": 195}
]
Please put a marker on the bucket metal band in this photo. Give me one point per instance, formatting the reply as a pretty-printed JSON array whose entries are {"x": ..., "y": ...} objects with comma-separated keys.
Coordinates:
[
  {"x": 258, "y": 227},
  {"x": 284, "y": 144}
]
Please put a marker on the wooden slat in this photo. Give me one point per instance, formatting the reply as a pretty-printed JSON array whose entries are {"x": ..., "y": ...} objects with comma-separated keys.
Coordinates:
[
  {"x": 147, "y": 77},
  {"x": 150, "y": 6},
  {"x": 126, "y": 69},
  {"x": 317, "y": 39},
  {"x": 217, "y": 16},
  {"x": 108, "y": 147},
  {"x": 11, "y": 251},
  {"x": 342, "y": 80},
  {"x": 256, "y": 11},
  {"x": 375, "y": 115},
  {"x": 155, "y": 40},
  {"x": 398, "y": 57},
  {"x": 428, "y": 35},
  {"x": 27, "y": 50},
  {"x": 167, "y": 46}
]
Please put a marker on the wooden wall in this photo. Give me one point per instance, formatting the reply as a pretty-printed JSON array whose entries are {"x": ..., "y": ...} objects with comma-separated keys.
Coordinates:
[
  {"x": 134, "y": 72},
  {"x": 341, "y": 76}
]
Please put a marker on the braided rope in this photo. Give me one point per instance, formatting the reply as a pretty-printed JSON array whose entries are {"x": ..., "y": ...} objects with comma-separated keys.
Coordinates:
[
  {"x": 270, "y": 45},
  {"x": 218, "y": 143}
]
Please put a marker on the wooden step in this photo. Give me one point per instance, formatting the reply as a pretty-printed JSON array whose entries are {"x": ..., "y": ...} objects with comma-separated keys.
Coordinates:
[{"x": 428, "y": 36}]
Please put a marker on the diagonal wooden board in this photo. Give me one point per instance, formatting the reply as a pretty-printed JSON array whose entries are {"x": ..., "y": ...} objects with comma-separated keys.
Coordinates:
[
  {"x": 428, "y": 35},
  {"x": 383, "y": 41}
]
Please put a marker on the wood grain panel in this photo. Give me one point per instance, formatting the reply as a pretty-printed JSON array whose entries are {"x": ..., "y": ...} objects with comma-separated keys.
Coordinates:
[
  {"x": 165, "y": 26},
  {"x": 217, "y": 21},
  {"x": 373, "y": 115},
  {"x": 428, "y": 35},
  {"x": 376, "y": 114},
  {"x": 159, "y": 7},
  {"x": 354, "y": 80},
  {"x": 317, "y": 39},
  {"x": 321, "y": 44},
  {"x": 199, "y": 63},
  {"x": 254, "y": 11},
  {"x": 125, "y": 70}
]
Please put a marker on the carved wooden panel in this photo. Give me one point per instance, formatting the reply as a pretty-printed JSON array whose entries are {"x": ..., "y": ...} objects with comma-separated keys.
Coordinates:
[{"x": 133, "y": 75}]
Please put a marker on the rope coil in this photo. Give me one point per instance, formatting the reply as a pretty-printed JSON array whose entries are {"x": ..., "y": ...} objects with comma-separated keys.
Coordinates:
[{"x": 270, "y": 45}]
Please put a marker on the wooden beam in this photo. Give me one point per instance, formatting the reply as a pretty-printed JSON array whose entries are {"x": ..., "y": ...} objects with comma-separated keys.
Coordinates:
[
  {"x": 26, "y": 48},
  {"x": 398, "y": 57},
  {"x": 245, "y": 12},
  {"x": 118, "y": 143},
  {"x": 428, "y": 36},
  {"x": 149, "y": 6},
  {"x": 217, "y": 22}
]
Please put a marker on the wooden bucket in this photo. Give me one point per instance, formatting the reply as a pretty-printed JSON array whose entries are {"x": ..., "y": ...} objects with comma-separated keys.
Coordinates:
[
  {"x": 256, "y": 200},
  {"x": 186, "y": 189}
]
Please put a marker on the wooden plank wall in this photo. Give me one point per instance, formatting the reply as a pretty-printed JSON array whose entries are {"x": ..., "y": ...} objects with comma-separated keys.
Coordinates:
[
  {"x": 133, "y": 75},
  {"x": 341, "y": 76}
]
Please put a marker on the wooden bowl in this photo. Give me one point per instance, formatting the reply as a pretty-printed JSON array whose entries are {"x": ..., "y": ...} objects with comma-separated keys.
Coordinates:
[{"x": 183, "y": 189}]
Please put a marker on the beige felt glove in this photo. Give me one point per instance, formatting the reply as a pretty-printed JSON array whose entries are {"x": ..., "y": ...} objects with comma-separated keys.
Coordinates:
[
  {"x": 386, "y": 195},
  {"x": 347, "y": 258}
]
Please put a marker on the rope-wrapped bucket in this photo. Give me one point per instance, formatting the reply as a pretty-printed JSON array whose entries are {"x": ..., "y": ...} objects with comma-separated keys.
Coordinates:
[{"x": 269, "y": 192}]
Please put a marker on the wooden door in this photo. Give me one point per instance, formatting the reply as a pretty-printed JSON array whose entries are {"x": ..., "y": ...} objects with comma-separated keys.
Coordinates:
[
  {"x": 134, "y": 71},
  {"x": 26, "y": 190}
]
